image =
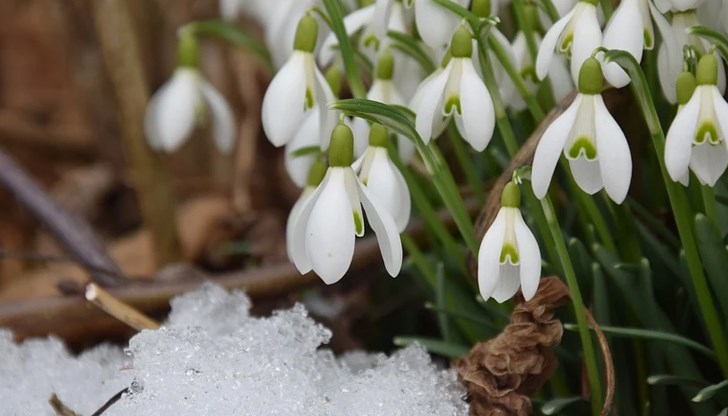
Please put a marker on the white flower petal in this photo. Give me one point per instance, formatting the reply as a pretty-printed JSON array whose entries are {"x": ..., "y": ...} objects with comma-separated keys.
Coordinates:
[
  {"x": 293, "y": 216},
  {"x": 297, "y": 241},
  {"x": 435, "y": 24},
  {"x": 360, "y": 128},
  {"x": 548, "y": 47},
  {"x": 624, "y": 31},
  {"x": 721, "y": 111},
  {"x": 352, "y": 192},
  {"x": 306, "y": 136},
  {"x": 489, "y": 256},
  {"x": 529, "y": 256},
  {"x": 612, "y": 152},
  {"x": 669, "y": 55},
  {"x": 352, "y": 22},
  {"x": 380, "y": 18},
  {"x": 679, "y": 140},
  {"x": 385, "y": 229},
  {"x": 708, "y": 162},
  {"x": 284, "y": 101},
  {"x": 327, "y": 117},
  {"x": 587, "y": 37},
  {"x": 330, "y": 230},
  {"x": 429, "y": 107},
  {"x": 406, "y": 149},
  {"x": 550, "y": 147},
  {"x": 223, "y": 121},
  {"x": 560, "y": 78},
  {"x": 508, "y": 283},
  {"x": 170, "y": 114},
  {"x": 587, "y": 175},
  {"x": 385, "y": 183},
  {"x": 478, "y": 116}
]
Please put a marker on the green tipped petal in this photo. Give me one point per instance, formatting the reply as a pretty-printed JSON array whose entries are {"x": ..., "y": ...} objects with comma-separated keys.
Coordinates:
[
  {"x": 511, "y": 197},
  {"x": 378, "y": 136},
  {"x": 707, "y": 132},
  {"x": 306, "y": 34},
  {"x": 453, "y": 104},
  {"x": 583, "y": 146},
  {"x": 509, "y": 254},
  {"x": 707, "y": 73},
  {"x": 591, "y": 79},
  {"x": 341, "y": 148},
  {"x": 462, "y": 43}
]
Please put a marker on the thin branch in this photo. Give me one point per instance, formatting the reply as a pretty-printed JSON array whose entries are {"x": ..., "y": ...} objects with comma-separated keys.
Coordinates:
[
  {"x": 115, "y": 398},
  {"x": 119, "y": 309}
]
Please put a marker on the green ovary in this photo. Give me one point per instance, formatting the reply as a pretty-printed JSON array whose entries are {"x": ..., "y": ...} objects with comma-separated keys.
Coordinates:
[
  {"x": 371, "y": 41},
  {"x": 358, "y": 223},
  {"x": 582, "y": 146},
  {"x": 707, "y": 132},
  {"x": 509, "y": 254}
]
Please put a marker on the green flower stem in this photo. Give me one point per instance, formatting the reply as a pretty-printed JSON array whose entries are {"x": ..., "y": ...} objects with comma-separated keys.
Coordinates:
[
  {"x": 353, "y": 77},
  {"x": 587, "y": 345},
  {"x": 607, "y": 8},
  {"x": 709, "y": 204},
  {"x": 525, "y": 24},
  {"x": 680, "y": 206},
  {"x": 466, "y": 162},
  {"x": 230, "y": 33},
  {"x": 550, "y": 10}
]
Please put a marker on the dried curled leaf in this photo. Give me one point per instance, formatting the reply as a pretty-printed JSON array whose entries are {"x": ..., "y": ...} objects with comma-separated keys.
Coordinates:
[{"x": 500, "y": 374}]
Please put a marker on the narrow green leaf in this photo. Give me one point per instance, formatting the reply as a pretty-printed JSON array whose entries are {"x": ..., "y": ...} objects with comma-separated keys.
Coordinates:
[
  {"x": 555, "y": 406},
  {"x": 442, "y": 319},
  {"x": 712, "y": 36},
  {"x": 715, "y": 257},
  {"x": 650, "y": 335},
  {"x": 669, "y": 379},
  {"x": 305, "y": 151},
  {"x": 408, "y": 45},
  {"x": 353, "y": 77},
  {"x": 230, "y": 33},
  {"x": 710, "y": 391},
  {"x": 435, "y": 346}
]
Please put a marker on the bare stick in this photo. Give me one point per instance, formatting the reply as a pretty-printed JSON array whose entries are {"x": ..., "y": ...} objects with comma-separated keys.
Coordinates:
[
  {"x": 73, "y": 234},
  {"x": 119, "y": 309},
  {"x": 115, "y": 398},
  {"x": 120, "y": 51},
  {"x": 60, "y": 408}
]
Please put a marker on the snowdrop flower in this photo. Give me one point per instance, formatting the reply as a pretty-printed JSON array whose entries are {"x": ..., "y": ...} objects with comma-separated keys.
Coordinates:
[
  {"x": 456, "y": 91},
  {"x": 384, "y": 91},
  {"x": 324, "y": 231},
  {"x": 697, "y": 136},
  {"x": 670, "y": 54},
  {"x": 435, "y": 24},
  {"x": 591, "y": 141},
  {"x": 316, "y": 174},
  {"x": 509, "y": 256},
  {"x": 307, "y": 139},
  {"x": 576, "y": 35},
  {"x": 175, "y": 108},
  {"x": 296, "y": 90},
  {"x": 629, "y": 29},
  {"x": 677, "y": 5},
  {"x": 382, "y": 178}
]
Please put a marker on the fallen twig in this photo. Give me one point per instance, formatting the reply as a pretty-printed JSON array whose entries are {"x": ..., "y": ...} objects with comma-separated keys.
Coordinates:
[
  {"x": 60, "y": 408},
  {"x": 115, "y": 398},
  {"x": 119, "y": 309}
]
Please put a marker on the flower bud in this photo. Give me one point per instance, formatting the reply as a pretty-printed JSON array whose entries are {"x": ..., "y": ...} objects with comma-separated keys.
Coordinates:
[
  {"x": 385, "y": 65},
  {"x": 685, "y": 87},
  {"x": 462, "y": 43},
  {"x": 378, "y": 136},
  {"x": 591, "y": 79},
  {"x": 317, "y": 173},
  {"x": 511, "y": 197},
  {"x": 306, "y": 34},
  {"x": 707, "y": 73},
  {"x": 341, "y": 148}
]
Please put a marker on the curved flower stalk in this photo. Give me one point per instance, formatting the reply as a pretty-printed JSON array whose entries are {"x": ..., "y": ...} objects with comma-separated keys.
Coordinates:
[
  {"x": 435, "y": 24},
  {"x": 323, "y": 233},
  {"x": 591, "y": 141},
  {"x": 382, "y": 178},
  {"x": 383, "y": 90},
  {"x": 698, "y": 136},
  {"x": 670, "y": 54},
  {"x": 296, "y": 90},
  {"x": 558, "y": 74},
  {"x": 174, "y": 110},
  {"x": 509, "y": 256},
  {"x": 629, "y": 29},
  {"x": 576, "y": 35},
  {"x": 458, "y": 92}
]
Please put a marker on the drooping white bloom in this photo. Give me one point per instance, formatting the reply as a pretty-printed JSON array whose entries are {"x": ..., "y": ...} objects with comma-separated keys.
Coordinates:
[
  {"x": 561, "y": 84},
  {"x": 308, "y": 136},
  {"x": 382, "y": 178},
  {"x": 670, "y": 53},
  {"x": 577, "y": 34},
  {"x": 629, "y": 29},
  {"x": 591, "y": 141},
  {"x": 456, "y": 91},
  {"x": 698, "y": 136},
  {"x": 172, "y": 112},
  {"x": 383, "y": 90},
  {"x": 296, "y": 90},
  {"x": 435, "y": 24},
  {"x": 677, "y": 5},
  {"x": 509, "y": 256},
  {"x": 325, "y": 229}
]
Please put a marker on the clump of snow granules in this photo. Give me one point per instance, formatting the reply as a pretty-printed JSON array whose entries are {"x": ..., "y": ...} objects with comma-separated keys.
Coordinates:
[{"x": 213, "y": 358}]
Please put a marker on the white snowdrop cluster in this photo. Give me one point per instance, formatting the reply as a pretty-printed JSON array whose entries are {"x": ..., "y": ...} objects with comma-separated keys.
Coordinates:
[{"x": 213, "y": 358}]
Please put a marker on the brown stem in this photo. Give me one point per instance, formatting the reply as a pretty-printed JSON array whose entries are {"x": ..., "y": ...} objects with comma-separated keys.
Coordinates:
[
  {"x": 119, "y": 309},
  {"x": 76, "y": 236},
  {"x": 608, "y": 363},
  {"x": 120, "y": 51}
]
